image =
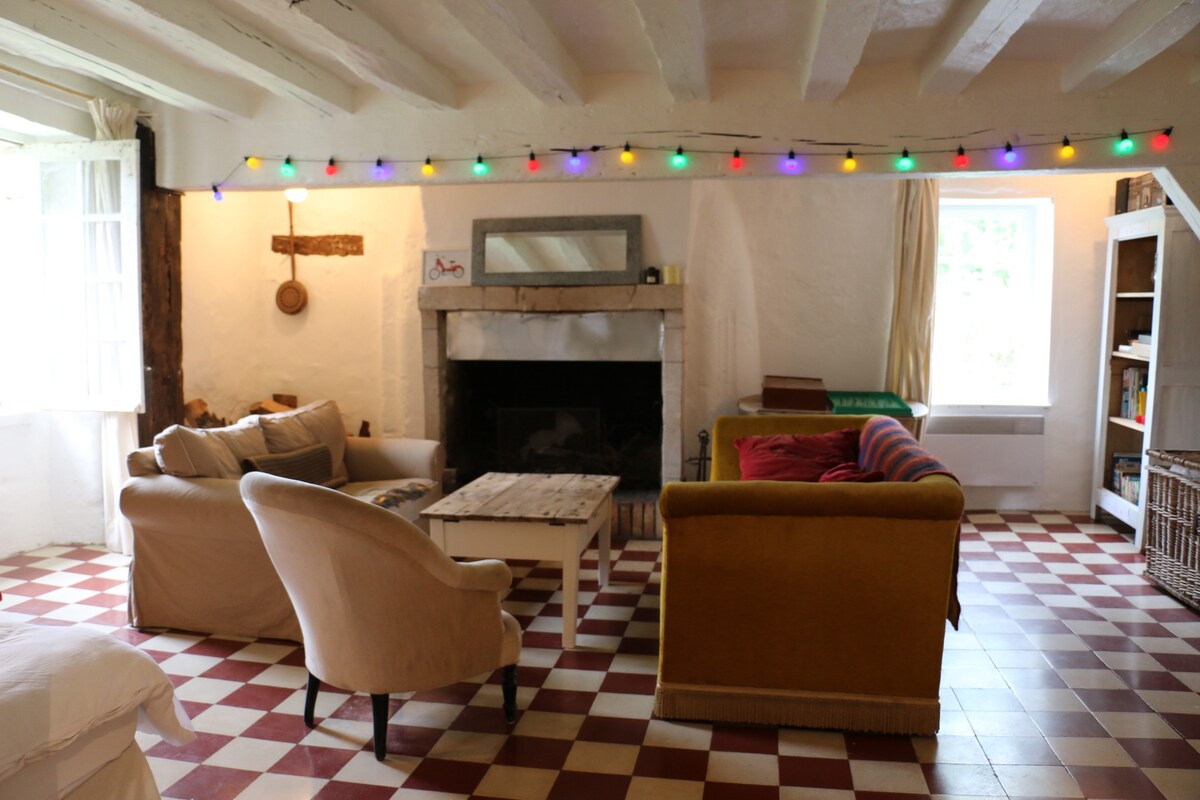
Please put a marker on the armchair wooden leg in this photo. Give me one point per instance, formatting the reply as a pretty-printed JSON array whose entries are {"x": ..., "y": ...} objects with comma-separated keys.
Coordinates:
[
  {"x": 379, "y": 716},
  {"x": 510, "y": 693},
  {"x": 310, "y": 698}
]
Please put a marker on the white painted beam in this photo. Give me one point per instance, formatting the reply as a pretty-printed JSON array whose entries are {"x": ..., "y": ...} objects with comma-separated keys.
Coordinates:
[
  {"x": 972, "y": 35},
  {"x": 44, "y": 111},
  {"x": 675, "y": 29},
  {"x": 66, "y": 87},
  {"x": 1146, "y": 29},
  {"x": 845, "y": 26},
  {"x": 514, "y": 32},
  {"x": 364, "y": 46},
  {"x": 218, "y": 38},
  {"x": 48, "y": 30}
]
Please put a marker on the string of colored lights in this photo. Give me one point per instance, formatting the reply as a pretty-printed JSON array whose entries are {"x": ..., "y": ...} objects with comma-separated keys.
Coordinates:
[{"x": 791, "y": 163}]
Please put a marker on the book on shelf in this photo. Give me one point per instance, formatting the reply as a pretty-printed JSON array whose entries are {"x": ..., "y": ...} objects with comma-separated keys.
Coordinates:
[
  {"x": 1127, "y": 475},
  {"x": 1133, "y": 392},
  {"x": 794, "y": 393}
]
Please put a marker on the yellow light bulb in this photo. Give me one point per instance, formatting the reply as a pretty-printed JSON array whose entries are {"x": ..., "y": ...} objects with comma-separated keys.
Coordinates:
[
  {"x": 850, "y": 164},
  {"x": 253, "y": 162},
  {"x": 626, "y": 157},
  {"x": 1067, "y": 151},
  {"x": 427, "y": 169}
]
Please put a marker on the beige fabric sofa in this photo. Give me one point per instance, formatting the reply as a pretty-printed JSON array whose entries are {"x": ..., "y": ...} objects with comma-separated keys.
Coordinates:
[{"x": 199, "y": 563}]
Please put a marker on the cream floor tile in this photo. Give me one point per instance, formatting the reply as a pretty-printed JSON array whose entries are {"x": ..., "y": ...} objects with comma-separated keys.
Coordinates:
[
  {"x": 1090, "y": 752},
  {"x": 1171, "y": 702},
  {"x": 549, "y": 724},
  {"x": 262, "y": 652},
  {"x": 802, "y": 793},
  {"x": 168, "y": 772},
  {"x": 637, "y": 665},
  {"x": 252, "y": 754},
  {"x": 426, "y": 715},
  {"x": 170, "y": 642},
  {"x": 665, "y": 789},
  {"x": 756, "y": 768},
  {"x": 888, "y": 776},
  {"x": 1027, "y": 781},
  {"x": 1175, "y": 784},
  {"x": 1135, "y": 725},
  {"x": 1091, "y": 679},
  {"x": 538, "y": 656},
  {"x": 281, "y": 675},
  {"x": 1050, "y": 699},
  {"x": 1140, "y": 661},
  {"x": 810, "y": 744},
  {"x": 579, "y": 680},
  {"x": 468, "y": 746},
  {"x": 188, "y": 664},
  {"x": 616, "y": 759},
  {"x": 345, "y": 734},
  {"x": 1163, "y": 644},
  {"x": 691, "y": 735},
  {"x": 947, "y": 750},
  {"x": 421, "y": 794},
  {"x": 1002, "y": 723},
  {"x": 327, "y": 703},
  {"x": 206, "y": 690},
  {"x": 392, "y": 771},
  {"x": 610, "y": 612},
  {"x": 629, "y": 706},
  {"x": 226, "y": 720},
  {"x": 282, "y": 787},
  {"x": 517, "y": 783}
]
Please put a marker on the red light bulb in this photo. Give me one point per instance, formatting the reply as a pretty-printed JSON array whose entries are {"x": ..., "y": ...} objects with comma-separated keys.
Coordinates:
[
  {"x": 961, "y": 159},
  {"x": 736, "y": 162},
  {"x": 532, "y": 164},
  {"x": 331, "y": 168},
  {"x": 1163, "y": 139}
]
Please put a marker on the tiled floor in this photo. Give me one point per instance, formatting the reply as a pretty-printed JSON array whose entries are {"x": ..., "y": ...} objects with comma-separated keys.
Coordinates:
[{"x": 1070, "y": 677}]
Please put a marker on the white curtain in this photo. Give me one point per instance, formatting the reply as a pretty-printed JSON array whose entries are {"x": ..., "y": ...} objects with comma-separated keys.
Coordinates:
[
  {"x": 118, "y": 436},
  {"x": 912, "y": 304}
]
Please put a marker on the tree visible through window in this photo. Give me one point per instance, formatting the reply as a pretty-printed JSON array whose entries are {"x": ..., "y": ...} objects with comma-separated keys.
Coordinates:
[{"x": 991, "y": 340}]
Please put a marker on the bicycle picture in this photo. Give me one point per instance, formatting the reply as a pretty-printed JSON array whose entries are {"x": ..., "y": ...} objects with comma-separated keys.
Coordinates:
[{"x": 441, "y": 268}]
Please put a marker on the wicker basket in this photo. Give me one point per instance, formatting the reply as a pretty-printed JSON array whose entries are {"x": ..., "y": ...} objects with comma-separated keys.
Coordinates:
[{"x": 1173, "y": 523}]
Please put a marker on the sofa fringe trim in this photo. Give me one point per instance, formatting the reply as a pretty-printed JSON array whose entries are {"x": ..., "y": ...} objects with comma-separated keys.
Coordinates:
[{"x": 852, "y": 712}]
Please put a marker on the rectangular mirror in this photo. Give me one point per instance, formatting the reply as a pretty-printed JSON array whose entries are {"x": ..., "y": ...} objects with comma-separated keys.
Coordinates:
[{"x": 557, "y": 251}]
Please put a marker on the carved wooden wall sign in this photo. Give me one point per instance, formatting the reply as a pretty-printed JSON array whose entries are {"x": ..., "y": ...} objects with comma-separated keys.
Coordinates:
[{"x": 334, "y": 245}]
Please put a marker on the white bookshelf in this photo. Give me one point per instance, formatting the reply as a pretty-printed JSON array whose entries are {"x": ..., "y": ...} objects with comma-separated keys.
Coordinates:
[{"x": 1152, "y": 282}]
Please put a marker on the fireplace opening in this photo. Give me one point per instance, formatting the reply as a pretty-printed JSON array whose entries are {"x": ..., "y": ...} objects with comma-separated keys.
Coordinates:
[{"x": 597, "y": 417}]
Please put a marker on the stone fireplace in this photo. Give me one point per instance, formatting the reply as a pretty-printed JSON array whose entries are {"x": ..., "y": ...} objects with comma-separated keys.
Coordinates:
[{"x": 545, "y": 403}]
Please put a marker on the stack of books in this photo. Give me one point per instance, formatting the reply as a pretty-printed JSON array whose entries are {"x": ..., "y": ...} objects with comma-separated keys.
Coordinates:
[
  {"x": 1127, "y": 475},
  {"x": 1133, "y": 393}
]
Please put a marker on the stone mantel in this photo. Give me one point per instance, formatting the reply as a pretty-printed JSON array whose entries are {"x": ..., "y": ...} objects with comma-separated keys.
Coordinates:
[
  {"x": 552, "y": 299},
  {"x": 436, "y": 301}
]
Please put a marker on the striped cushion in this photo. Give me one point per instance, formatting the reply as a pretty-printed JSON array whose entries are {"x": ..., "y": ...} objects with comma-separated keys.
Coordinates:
[
  {"x": 886, "y": 446},
  {"x": 311, "y": 464}
]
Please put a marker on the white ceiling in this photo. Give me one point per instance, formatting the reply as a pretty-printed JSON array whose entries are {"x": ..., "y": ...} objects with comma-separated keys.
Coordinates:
[
  {"x": 550, "y": 48},
  {"x": 363, "y": 65}
]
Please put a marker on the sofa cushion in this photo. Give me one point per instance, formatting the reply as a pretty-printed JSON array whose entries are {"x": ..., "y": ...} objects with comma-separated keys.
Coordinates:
[
  {"x": 316, "y": 423},
  {"x": 850, "y": 472},
  {"x": 311, "y": 464},
  {"x": 406, "y": 497},
  {"x": 793, "y": 456},
  {"x": 207, "y": 452},
  {"x": 887, "y": 446}
]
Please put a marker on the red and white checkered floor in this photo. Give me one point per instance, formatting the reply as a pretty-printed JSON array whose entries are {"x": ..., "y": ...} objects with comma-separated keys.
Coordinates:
[{"x": 1070, "y": 676}]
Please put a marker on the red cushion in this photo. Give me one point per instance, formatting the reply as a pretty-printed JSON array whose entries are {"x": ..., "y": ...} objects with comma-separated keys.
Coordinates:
[
  {"x": 795, "y": 457},
  {"x": 850, "y": 471}
]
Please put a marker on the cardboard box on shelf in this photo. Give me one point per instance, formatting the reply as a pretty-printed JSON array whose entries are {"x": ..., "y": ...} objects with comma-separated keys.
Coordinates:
[{"x": 794, "y": 393}]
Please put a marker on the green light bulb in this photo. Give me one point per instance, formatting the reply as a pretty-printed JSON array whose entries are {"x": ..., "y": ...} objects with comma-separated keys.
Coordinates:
[
  {"x": 905, "y": 161},
  {"x": 679, "y": 160},
  {"x": 480, "y": 167},
  {"x": 1125, "y": 145},
  {"x": 287, "y": 169}
]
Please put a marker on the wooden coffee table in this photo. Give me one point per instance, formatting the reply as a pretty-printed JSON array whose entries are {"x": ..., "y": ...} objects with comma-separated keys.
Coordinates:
[{"x": 530, "y": 516}]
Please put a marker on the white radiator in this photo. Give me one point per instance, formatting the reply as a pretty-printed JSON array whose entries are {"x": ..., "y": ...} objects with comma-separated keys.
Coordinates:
[{"x": 989, "y": 450}]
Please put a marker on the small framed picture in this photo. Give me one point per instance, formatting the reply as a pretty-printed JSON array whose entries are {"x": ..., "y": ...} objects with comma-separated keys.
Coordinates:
[{"x": 447, "y": 268}]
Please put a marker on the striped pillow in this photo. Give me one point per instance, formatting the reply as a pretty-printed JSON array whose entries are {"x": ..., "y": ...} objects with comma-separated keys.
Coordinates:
[{"x": 311, "y": 464}]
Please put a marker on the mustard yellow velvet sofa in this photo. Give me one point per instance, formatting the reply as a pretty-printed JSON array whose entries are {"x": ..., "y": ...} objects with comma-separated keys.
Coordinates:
[{"x": 820, "y": 605}]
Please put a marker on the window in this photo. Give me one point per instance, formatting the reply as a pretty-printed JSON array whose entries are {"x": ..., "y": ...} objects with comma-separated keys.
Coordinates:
[
  {"x": 991, "y": 333},
  {"x": 70, "y": 303}
]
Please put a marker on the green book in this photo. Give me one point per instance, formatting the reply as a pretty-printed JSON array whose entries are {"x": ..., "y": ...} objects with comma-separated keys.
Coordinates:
[{"x": 888, "y": 403}]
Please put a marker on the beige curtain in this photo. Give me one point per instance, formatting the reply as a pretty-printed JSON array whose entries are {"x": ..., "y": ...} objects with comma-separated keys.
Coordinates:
[
  {"x": 118, "y": 436},
  {"x": 912, "y": 305}
]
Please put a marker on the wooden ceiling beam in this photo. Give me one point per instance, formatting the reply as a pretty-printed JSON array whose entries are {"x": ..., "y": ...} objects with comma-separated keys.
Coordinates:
[
  {"x": 1146, "y": 29},
  {"x": 844, "y": 25},
  {"x": 218, "y": 38},
  {"x": 970, "y": 38},
  {"x": 47, "y": 30},
  {"x": 675, "y": 29},
  {"x": 364, "y": 46},
  {"x": 514, "y": 32}
]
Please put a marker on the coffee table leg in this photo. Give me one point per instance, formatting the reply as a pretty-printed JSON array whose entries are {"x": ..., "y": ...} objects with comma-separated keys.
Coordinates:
[
  {"x": 570, "y": 570},
  {"x": 604, "y": 542}
]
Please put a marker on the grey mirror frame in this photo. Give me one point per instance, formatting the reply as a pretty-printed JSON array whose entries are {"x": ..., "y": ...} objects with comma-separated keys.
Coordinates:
[{"x": 631, "y": 224}]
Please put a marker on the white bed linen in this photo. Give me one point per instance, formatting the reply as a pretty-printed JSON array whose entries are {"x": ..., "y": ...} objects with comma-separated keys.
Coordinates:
[
  {"x": 58, "y": 684},
  {"x": 59, "y": 773}
]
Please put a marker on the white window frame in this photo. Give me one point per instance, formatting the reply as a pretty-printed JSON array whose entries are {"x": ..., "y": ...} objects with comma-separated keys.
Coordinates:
[
  {"x": 49, "y": 284},
  {"x": 1042, "y": 212}
]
